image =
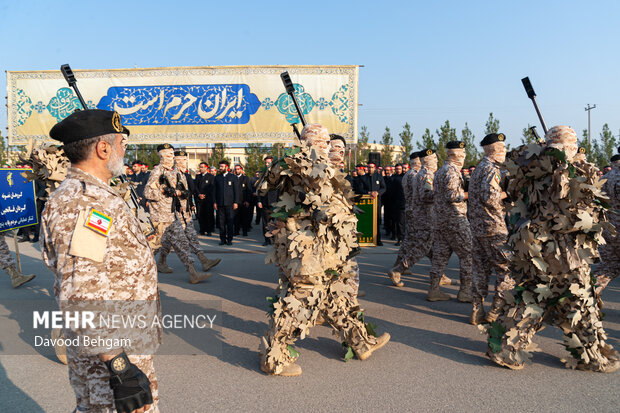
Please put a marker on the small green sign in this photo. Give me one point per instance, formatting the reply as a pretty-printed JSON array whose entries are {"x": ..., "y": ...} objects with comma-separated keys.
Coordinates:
[{"x": 367, "y": 222}]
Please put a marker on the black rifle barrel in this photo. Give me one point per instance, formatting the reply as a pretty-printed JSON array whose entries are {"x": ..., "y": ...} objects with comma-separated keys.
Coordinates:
[
  {"x": 532, "y": 95},
  {"x": 290, "y": 89}
]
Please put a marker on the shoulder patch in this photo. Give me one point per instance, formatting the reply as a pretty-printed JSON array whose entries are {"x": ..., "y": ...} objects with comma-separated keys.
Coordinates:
[{"x": 98, "y": 222}]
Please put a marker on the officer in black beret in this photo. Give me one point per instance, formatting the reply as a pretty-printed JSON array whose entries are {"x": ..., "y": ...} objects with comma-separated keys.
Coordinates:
[{"x": 93, "y": 243}]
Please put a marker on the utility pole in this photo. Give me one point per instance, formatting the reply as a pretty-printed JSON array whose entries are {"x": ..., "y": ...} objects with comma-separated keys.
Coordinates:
[{"x": 588, "y": 109}]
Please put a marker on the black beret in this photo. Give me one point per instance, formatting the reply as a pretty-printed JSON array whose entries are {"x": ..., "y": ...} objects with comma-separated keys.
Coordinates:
[
  {"x": 86, "y": 124},
  {"x": 426, "y": 152},
  {"x": 492, "y": 138},
  {"x": 455, "y": 145},
  {"x": 581, "y": 149},
  {"x": 615, "y": 158},
  {"x": 180, "y": 153},
  {"x": 414, "y": 155},
  {"x": 164, "y": 146},
  {"x": 126, "y": 131}
]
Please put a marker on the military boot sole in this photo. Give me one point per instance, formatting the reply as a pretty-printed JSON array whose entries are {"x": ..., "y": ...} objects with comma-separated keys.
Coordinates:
[
  {"x": 398, "y": 283},
  {"x": 198, "y": 278},
  {"x": 210, "y": 264},
  {"x": 437, "y": 296},
  {"x": 382, "y": 340},
  {"x": 164, "y": 269},
  {"x": 497, "y": 360},
  {"x": 22, "y": 280},
  {"x": 291, "y": 370}
]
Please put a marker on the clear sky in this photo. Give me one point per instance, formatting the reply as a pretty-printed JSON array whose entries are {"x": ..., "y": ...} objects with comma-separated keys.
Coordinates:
[{"x": 424, "y": 61}]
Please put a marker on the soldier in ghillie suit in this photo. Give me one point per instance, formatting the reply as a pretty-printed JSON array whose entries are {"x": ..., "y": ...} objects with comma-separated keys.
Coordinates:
[
  {"x": 313, "y": 233},
  {"x": 609, "y": 268},
  {"x": 557, "y": 219}
]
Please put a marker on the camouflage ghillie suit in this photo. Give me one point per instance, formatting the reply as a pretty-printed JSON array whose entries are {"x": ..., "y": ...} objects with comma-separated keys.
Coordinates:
[
  {"x": 90, "y": 267},
  {"x": 557, "y": 217},
  {"x": 313, "y": 233},
  {"x": 489, "y": 232},
  {"x": 451, "y": 232},
  {"x": 168, "y": 224},
  {"x": 609, "y": 267}
]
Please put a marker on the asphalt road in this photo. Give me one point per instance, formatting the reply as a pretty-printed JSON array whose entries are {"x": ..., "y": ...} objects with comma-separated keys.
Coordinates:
[{"x": 434, "y": 362}]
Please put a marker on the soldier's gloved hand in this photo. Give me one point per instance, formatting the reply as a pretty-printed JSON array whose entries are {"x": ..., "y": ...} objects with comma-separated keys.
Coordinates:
[
  {"x": 131, "y": 387},
  {"x": 170, "y": 192}
]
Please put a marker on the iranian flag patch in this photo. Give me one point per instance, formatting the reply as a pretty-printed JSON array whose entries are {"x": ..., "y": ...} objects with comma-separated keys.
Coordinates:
[{"x": 99, "y": 222}]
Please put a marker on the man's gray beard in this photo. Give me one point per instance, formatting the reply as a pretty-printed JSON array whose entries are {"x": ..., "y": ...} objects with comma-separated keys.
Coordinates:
[{"x": 115, "y": 165}]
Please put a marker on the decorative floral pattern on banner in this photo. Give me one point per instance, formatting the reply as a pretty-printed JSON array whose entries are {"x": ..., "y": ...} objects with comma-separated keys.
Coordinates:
[{"x": 63, "y": 104}]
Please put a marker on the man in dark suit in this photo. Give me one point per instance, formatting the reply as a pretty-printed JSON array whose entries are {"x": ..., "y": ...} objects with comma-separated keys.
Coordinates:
[
  {"x": 226, "y": 201},
  {"x": 204, "y": 199},
  {"x": 243, "y": 217},
  {"x": 265, "y": 202},
  {"x": 359, "y": 182},
  {"x": 374, "y": 185},
  {"x": 396, "y": 198}
]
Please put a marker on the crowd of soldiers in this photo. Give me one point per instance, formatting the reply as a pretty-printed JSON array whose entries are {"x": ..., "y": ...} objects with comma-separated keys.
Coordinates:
[{"x": 538, "y": 218}]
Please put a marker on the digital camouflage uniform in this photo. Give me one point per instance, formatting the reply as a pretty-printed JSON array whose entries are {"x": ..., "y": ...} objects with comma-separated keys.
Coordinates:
[
  {"x": 488, "y": 227},
  {"x": 91, "y": 267},
  {"x": 609, "y": 267},
  {"x": 313, "y": 230},
  {"x": 557, "y": 218},
  {"x": 170, "y": 226},
  {"x": 451, "y": 232},
  {"x": 422, "y": 214},
  {"x": 408, "y": 188},
  {"x": 6, "y": 259}
]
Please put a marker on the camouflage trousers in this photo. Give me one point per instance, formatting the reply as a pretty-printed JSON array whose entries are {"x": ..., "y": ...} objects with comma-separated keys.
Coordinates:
[
  {"x": 489, "y": 255},
  {"x": 354, "y": 279},
  {"x": 446, "y": 240},
  {"x": 192, "y": 237},
  {"x": 174, "y": 237},
  {"x": 566, "y": 301},
  {"x": 419, "y": 245},
  {"x": 609, "y": 267},
  {"x": 90, "y": 379},
  {"x": 296, "y": 311},
  {"x": 407, "y": 243},
  {"x": 6, "y": 259}
]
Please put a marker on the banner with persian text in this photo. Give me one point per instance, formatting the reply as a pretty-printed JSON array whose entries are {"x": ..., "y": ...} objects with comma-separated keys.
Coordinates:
[{"x": 240, "y": 104}]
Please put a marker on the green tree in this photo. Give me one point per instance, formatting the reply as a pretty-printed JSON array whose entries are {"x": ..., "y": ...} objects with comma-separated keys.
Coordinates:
[
  {"x": 528, "y": 136},
  {"x": 492, "y": 125},
  {"x": 607, "y": 146},
  {"x": 406, "y": 137},
  {"x": 584, "y": 142},
  {"x": 145, "y": 153},
  {"x": 4, "y": 153},
  {"x": 362, "y": 148},
  {"x": 427, "y": 141},
  {"x": 255, "y": 153},
  {"x": 218, "y": 154},
  {"x": 472, "y": 155},
  {"x": 386, "y": 152},
  {"x": 445, "y": 134}
]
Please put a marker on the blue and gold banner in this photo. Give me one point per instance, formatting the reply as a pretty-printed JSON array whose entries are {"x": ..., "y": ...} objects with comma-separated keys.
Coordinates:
[
  {"x": 241, "y": 104},
  {"x": 18, "y": 206}
]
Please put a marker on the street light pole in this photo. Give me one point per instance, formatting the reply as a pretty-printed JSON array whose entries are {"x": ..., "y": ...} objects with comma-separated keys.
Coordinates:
[{"x": 588, "y": 109}]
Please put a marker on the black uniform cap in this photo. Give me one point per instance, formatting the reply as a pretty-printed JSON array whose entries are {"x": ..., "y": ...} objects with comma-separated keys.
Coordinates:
[
  {"x": 180, "y": 153},
  {"x": 581, "y": 149},
  {"x": 334, "y": 137},
  {"x": 164, "y": 146},
  {"x": 615, "y": 158},
  {"x": 86, "y": 124},
  {"x": 455, "y": 145},
  {"x": 136, "y": 162},
  {"x": 492, "y": 138},
  {"x": 426, "y": 152},
  {"x": 414, "y": 155}
]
